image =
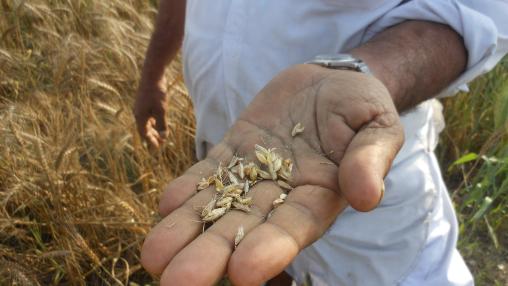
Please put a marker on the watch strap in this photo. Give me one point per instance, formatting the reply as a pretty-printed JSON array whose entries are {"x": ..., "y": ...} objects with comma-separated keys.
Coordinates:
[{"x": 341, "y": 61}]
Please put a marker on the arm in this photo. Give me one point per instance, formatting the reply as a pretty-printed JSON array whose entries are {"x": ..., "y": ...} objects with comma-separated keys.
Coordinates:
[
  {"x": 415, "y": 60},
  {"x": 165, "y": 41},
  {"x": 352, "y": 134},
  {"x": 151, "y": 100}
]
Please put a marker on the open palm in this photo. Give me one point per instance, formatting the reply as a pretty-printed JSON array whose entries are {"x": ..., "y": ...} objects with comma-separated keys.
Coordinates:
[{"x": 352, "y": 134}]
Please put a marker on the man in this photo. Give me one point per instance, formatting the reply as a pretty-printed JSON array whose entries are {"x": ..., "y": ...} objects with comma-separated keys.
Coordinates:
[{"x": 337, "y": 225}]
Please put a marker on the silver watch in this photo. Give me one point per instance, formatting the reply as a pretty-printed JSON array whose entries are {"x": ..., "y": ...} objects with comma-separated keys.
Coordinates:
[{"x": 340, "y": 61}]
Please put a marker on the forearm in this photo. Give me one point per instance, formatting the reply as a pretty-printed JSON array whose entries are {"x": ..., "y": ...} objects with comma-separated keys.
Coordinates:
[
  {"x": 415, "y": 60},
  {"x": 165, "y": 41}
]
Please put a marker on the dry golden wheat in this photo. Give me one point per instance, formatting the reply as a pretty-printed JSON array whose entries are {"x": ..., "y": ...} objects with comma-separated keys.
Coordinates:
[{"x": 78, "y": 189}]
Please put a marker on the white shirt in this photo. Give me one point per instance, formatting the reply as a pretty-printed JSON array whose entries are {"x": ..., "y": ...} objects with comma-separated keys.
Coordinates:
[{"x": 233, "y": 48}]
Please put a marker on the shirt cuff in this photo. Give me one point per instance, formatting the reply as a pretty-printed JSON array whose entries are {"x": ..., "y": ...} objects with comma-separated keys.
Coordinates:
[{"x": 482, "y": 24}]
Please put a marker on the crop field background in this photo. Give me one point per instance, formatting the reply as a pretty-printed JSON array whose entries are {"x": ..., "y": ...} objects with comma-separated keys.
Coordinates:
[{"x": 78, "y": 189}]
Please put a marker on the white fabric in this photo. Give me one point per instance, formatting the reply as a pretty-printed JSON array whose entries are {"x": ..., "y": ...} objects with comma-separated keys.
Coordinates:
[
  {"x": 233, "y": 48},
  {"x": 368, "y": 251},
  {"x": 408, "y": 240},
  {"x": 482, "y": 23}
]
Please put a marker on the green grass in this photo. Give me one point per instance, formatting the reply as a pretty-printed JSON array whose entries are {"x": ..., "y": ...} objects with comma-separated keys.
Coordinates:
[{"x": 474, "y": 154}]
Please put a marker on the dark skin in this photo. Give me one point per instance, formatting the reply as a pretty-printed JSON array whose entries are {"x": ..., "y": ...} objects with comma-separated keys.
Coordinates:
[
  {"x": 352, "y": 134},
  {"x": 151, "y": 101}
]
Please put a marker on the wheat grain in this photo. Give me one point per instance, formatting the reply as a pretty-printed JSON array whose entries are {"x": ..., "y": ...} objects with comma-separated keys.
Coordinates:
[
  {"x": 239, "y": 236},
  {"x": 241, "y": 207},
  {"x": 297, "y": 129},
  {"x": 284, "y": 185},
  {"x": 224, "y": 202},
  {"x": 214, "y": 214},
  {"x": 241, "y": 171},
  {"x": 208, "y": 208}
]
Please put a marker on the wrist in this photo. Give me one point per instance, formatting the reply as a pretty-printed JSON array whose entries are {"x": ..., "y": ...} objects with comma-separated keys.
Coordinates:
[
  {"x": 356, "y": 62},
  {"x": 397, "y": 83},
  {"x": 152, "y": 82},
  {"x": 415, "y": 60},
  {"x": 152, "y": 75}
]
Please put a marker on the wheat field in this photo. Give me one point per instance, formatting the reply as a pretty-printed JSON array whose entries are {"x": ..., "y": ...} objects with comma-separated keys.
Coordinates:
[{"x": 79, "y": 190}]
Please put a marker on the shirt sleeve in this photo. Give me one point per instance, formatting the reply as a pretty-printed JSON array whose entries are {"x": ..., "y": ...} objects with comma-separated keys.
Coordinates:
[{"x": 483, "y": 25}]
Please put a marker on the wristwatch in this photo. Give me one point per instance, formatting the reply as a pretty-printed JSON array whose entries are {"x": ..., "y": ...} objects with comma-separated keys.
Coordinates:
[{"x": 341, "y": 62}]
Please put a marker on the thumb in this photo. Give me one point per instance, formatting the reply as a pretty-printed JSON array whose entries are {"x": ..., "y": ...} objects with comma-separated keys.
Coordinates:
[{"x": 367, "y": 160}]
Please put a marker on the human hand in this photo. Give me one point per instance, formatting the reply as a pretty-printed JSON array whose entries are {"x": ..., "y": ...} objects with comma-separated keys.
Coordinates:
[
  {"x": 150, "y": 112},
  {"x": 352, "y": 134}
]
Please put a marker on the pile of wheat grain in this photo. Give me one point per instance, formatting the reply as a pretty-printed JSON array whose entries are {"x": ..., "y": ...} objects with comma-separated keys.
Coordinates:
[{"x": 77, "y": 188}]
